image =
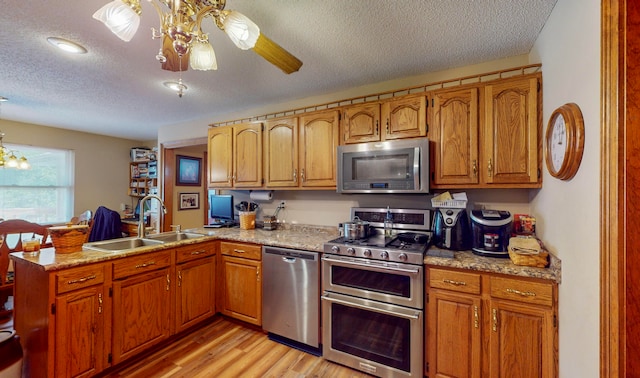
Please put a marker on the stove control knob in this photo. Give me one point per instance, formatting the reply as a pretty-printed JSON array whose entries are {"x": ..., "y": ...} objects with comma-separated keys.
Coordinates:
[
  {"x": 367, "y": 252},
  {"x": 335, "y": 249},
  {"x": 402, "y": 257},
  {"x": 351, "y": 251},
  {"x": 384, "y": 255}
]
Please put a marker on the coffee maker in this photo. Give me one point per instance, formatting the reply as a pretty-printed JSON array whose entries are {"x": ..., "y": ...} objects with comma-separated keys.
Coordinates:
[
  {"x": 451, "y": 228},
  {"x": 491, "y": 232}
]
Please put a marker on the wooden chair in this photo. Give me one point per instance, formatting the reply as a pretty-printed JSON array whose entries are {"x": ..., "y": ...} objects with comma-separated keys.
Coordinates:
[
  {"x": 83, "y": 218},
  {"x": 12, "y": 232}
]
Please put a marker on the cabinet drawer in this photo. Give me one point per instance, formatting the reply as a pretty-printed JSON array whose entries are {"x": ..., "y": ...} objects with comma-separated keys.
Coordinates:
[
  {"x": 195, "y": 251},
  {"x": 522, "y": 291},
  {"x": 78, "y": 278},
  {"x": 247, "y": 251},
  {"x": 140, "y": 264},
  {"x": 453, "y": 280}
]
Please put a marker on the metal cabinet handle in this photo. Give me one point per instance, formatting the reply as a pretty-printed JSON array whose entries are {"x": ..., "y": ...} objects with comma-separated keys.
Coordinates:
[
  {"x": 495, "y": 320},
  {"x": 377, "y": 127},
  {"x": 144, "y": 265},
  {"x": 475, "y": 167},
  {"x": 456, "y": 283},
  {"x": 476, "y": 320},
  {"x": 81, "y": 280},
  {"x": 168, "y": 282},
  {"x": 522, "y": 293},
  {"x": 304, "y": 179},
  {"x": 238, "y": 250},
  {"x": 295, "y": 175},
  {"x": 490, "y": 167},
  {"x": 100, "y": 303},
  {"x": 179, "y": 278},
  {"x": 195, "y": 253}
]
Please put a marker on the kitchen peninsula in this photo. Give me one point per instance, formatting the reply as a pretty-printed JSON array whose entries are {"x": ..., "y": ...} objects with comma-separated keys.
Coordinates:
[{"x": 81, "y": 293}]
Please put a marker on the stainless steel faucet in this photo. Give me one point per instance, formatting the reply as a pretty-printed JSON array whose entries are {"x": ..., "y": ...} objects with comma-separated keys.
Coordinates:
[{"x": 141, "y": 230}]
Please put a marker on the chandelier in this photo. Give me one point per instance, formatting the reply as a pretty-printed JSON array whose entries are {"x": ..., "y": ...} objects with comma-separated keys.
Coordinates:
[
  {"x": 8, "y": 157},
  {"x": 182, "y": 35}
]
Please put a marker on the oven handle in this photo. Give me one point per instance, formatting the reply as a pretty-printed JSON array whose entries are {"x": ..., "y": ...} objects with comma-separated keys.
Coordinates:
[
  {"x": 326, "y": 297},
  {"x": 373, "y": 267}
]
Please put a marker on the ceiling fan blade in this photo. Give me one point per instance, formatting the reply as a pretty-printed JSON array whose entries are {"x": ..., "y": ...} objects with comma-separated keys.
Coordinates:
[
  {"x": 173, "y": 59},
  {"x": 276, "y": 55}
]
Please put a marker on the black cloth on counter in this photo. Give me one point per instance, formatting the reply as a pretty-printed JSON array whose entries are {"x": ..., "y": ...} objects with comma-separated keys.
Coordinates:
[{"x": 106, "y": 225}]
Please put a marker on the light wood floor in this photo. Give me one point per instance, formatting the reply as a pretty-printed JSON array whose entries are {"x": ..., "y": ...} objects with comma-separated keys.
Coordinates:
[{"x": 227, "y": 349}]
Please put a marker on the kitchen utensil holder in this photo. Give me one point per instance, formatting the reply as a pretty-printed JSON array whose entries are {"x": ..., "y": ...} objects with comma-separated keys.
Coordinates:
[{"x": 247, "y": 220}]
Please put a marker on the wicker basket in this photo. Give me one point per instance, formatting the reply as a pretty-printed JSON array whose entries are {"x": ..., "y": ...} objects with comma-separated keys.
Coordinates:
[
  {"x": 69, "y": 238},
  {"x": 540, "y": 260},
  {"x": 247, "y": 220}
]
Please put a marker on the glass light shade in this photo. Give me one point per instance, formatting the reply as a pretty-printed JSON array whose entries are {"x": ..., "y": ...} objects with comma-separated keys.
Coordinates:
[
  {"x": 12, "y": 162},
  {"x": 241, "y": 30},
  {"x": 23, "y": 163},
  {"x": 202, "y": 57},
  {"x": 119, "y": 18}
]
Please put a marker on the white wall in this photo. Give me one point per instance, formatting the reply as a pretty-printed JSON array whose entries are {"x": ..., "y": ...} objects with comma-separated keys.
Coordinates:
[{"x": 569, "y": 49}]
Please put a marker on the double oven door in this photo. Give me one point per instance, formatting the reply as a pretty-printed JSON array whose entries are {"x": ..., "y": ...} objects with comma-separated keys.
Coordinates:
[{"x": 372, "y": 315}]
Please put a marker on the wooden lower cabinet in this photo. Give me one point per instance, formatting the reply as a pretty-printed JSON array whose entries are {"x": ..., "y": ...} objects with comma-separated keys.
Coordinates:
[
  {"x": 79, "y": 321},
  {"x": 488, "y": 325},
  {"x": 141, "y": 312},
  {"x": 242, "y": 281},
  {"x": 195, "y": 294}
]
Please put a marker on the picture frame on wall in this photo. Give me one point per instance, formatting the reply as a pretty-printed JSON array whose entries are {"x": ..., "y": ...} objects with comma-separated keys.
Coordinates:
[
  {"x": 189, "y": 201},
  {"x": 188, "y": 171}
]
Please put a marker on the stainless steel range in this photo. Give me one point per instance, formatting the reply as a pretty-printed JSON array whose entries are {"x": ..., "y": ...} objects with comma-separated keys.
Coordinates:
[{"x": 372, "y": 302}]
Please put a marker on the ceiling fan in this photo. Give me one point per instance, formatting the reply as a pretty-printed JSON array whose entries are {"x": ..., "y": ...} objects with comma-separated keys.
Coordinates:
[{"x": 182, "y": 35}]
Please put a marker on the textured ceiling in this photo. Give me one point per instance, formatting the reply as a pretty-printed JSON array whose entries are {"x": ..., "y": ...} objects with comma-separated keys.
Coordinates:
[{"x": 116, "y": 88}]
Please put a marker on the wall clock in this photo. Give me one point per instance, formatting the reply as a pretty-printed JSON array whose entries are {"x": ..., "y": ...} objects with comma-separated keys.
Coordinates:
[{"x": 565, "y": 141}]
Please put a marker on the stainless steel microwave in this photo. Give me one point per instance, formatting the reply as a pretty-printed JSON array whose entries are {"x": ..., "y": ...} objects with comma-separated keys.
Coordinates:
[{"x": 397, "y": 166}]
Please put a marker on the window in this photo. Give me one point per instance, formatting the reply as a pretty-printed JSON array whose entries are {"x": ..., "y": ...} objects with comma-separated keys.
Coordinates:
[{"x": 42, "y": 194}]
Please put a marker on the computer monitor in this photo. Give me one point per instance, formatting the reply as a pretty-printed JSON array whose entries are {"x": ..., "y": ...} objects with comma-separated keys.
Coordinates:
[{"x": 221, "y": 207}]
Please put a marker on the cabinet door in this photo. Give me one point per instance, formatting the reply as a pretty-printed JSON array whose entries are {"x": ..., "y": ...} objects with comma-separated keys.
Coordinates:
[
  {"x": 247, "y": 156},
  {"x": 79, "y": 329},
  {"x": 521, "y": 340},
  {"x": 405, "y": 117},
  {"x": 361, "y": 123},
  {"x": 195, "y": 294},
  {"x": 453, "y": 334},
  {"x": 281, "y": 153},
  {"x": 141, "y": 313},
  {"x": 318, "y": 149},
  {"x": 242, "y": 289},
  {"x": 510, "y": 133},
  {"x": 454, "y": 133},
  {"x": 220, "y": 158}
]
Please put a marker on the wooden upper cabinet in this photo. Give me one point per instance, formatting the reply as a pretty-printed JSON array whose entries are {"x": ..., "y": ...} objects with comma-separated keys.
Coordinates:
[
  {"x": 235, "y": 156},
  {"x": 405, "y": 117},
  {"x": 281, "y": 153},
  {"x": 454, "y": 133},
  {"x": 247, "y": 155},
  {"x": 318, "y": 148},
  {"x": 220, "y": 159},
  {"x": 361, "y": 123},
  {"x": 510, "y": 133}
]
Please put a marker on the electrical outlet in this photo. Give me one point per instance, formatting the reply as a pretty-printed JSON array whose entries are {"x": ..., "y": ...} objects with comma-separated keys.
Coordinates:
[{"x": 282, "y": 203}]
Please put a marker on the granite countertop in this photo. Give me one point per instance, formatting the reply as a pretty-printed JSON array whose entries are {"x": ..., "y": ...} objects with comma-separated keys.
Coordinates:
[{"x": 304, "y": 237}]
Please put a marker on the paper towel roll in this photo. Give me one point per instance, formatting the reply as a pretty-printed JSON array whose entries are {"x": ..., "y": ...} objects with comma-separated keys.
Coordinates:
[{"x": 261, "y": 195}]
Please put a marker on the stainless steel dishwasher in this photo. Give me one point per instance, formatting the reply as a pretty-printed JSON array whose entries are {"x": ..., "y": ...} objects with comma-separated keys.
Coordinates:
[{"x": 291, "y": 297}]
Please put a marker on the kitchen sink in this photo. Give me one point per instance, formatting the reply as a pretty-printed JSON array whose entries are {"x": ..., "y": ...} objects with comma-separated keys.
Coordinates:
[
  {"x": 167, "y": 237},
  {"x": 119, "y": 245}
]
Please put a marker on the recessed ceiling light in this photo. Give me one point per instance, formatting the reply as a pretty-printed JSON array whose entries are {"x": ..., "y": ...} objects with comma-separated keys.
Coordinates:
[
  {"x": 3, "y": 99},
  {"x": 66, "y": 45}
]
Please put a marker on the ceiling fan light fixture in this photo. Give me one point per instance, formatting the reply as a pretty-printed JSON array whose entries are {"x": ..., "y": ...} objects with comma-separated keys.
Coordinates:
[
  {"x": 202, "y": 57},
  {"x": 241, "y": 30},
  {"x": 122, "y": 17},
  {"x": 66, "y": 45}
]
